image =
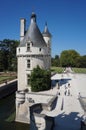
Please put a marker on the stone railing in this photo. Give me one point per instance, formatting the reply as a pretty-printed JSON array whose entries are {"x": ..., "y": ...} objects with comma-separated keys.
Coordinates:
[
  {"x": 82, "y": 101},
  {"x": 51, "y": 104},
  {"x": 34, "y": 98}
]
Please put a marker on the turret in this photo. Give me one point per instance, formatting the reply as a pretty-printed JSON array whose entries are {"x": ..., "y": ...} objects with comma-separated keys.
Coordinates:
[
  {"x": 47, "y": 35},
  {"x": 22, "y": 28}
]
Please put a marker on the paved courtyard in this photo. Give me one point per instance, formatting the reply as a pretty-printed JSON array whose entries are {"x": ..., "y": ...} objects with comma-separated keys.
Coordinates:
[{"x": 68, "y": 111}]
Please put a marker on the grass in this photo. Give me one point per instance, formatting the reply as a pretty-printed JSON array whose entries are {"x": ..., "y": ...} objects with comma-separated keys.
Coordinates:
[
  {"x": 57, "y": 69},
  {"x": 61, "y": 69},
  {"x": 79, "y": 70},
  {"x": 11, "y": 117},
  {"x": 7, "y": 76}
]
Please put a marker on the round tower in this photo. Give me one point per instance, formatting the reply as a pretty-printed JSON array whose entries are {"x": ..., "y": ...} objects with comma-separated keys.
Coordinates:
[{"x": 33, "y": 50}]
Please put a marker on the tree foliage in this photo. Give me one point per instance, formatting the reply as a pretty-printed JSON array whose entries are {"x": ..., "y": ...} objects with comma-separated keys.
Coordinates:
[
  {"x": 40, "y": 79},
  {"x": 55, "y": 61},
  {"x": 8, "y": 59},
  {"x": 81, "y": 61},
  {"x": 68, "y": 58}
]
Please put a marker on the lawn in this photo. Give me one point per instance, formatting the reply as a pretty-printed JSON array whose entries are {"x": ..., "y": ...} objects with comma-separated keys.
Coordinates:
[
  {"x": 4, "y": 77},
  {"x": 61, "y": 69}
]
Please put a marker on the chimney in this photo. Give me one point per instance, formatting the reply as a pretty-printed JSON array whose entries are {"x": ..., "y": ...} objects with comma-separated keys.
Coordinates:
[{"x": 22, "y": 28}]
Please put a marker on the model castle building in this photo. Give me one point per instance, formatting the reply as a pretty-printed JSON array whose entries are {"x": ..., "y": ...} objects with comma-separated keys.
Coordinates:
[{"x": 34, "y": 49}]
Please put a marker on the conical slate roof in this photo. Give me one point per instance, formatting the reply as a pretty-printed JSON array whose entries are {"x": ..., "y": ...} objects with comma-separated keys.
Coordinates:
[
  {"x": 46, "y": 32},
  {"x": 33, "y": 34}
]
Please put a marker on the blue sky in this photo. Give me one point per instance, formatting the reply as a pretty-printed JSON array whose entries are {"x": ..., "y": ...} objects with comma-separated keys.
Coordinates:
[{"x": 66, "y": 21}]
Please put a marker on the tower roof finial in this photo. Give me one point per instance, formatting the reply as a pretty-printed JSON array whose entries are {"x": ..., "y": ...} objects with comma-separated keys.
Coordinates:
[
  {"x": 45, "y": 23},
  {"x": 33, "y": 16}
]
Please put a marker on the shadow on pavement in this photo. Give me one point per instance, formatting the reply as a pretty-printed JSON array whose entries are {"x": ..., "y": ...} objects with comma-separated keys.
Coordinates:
[{"x": 68, "y": 122}]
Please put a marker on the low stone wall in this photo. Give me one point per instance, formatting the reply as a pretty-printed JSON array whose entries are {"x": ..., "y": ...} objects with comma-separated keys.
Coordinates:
[
  {"x": 25, "y": 100},
  {"x": 51, "y": 104},
  {"x": 38, "y": 97},
  {"x": 40, "y": 121},
  {"x": 82, "y": 101},
  {"x": 8, "y": 89}
]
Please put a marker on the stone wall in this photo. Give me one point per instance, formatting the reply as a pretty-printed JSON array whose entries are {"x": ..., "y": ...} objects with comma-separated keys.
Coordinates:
[
  {"x": 40, "y": 121},
  {"x": 25, "y": 100}
]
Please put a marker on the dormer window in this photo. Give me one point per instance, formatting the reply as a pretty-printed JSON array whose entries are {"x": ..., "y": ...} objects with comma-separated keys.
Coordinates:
[{"x": 28, "y": 46}]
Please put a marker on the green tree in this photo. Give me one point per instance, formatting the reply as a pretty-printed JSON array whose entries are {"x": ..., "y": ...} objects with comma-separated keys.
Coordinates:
[
  {"x": 40, "y": 79},
  {"x": 55, "y": 61},
  {"x": 12, "y": 60},
  {"x": 8, "y": 60},
  {"x": 1, "y": 61},
  {"x": 69, "y": 58},
  {"x": 81, "y": 62}
]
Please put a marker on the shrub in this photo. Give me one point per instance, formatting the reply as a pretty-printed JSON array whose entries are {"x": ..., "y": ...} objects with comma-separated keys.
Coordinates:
[{"x": 40, "y": 79}]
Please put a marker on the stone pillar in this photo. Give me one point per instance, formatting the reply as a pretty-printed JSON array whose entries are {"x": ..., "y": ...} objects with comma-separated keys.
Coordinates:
[{"x": 20, "y": 99}]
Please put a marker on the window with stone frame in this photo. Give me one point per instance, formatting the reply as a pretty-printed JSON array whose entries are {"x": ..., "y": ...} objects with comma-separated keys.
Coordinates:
[{"x": 28, "y": 63}]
